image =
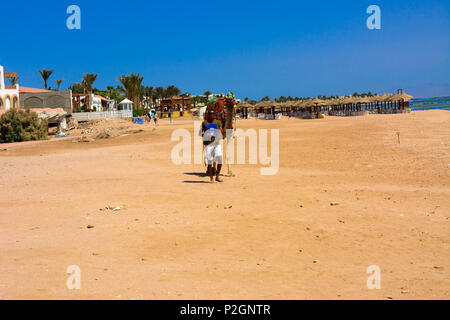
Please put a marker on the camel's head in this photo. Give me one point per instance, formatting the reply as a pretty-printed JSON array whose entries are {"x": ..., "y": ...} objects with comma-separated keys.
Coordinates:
[{"x": 230, "y": 100}]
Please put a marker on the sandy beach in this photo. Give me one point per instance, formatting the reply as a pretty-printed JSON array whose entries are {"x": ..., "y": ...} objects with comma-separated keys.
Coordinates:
[{"x": 347, "y": 196}]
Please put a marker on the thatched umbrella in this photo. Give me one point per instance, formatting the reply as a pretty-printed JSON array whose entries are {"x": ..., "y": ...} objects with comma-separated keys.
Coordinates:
[
  {"x": 358, "y": 101},
  {"x": 298, "y": 104},
  {"x": 331, "y": 103},
  {"x": 266, "y": 105},
  {"x": 383, "y": 101},
  {"x": 244, "y": 107},
  {"x": 244, "y": 104},
  {"x": 288, "y": 105},
  {"x": 318, "y": 102},
  {"x": 274, "y": 106},
  {"x": 400, "y": 100},
  {"x": 375, "y": 101},
  {"x": 404, "y": 96},
  {"x": 346, "y": 103},
  {"x": 361, "y": 100},
  {"x": 262, "y": 104},
  {"x": 306, "y": 104}
]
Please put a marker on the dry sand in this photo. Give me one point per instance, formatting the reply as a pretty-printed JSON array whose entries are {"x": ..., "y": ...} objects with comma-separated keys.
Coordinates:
[{"x": 251, "y": 237}]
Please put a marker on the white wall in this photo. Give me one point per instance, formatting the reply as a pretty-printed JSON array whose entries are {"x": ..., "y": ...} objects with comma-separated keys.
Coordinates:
[{"x": 7, "y": 95}]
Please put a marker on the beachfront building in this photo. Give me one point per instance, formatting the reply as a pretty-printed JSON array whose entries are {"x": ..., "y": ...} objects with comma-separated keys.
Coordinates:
[
  {"x": 100, "y": 103},
  {"x": 126, "y": 104},
  {"x": 9, "y": 94},
  {"x": 91, "y": 102},
  {"x": 181, "y": 106},
  {"x": 34, "y": 98}
]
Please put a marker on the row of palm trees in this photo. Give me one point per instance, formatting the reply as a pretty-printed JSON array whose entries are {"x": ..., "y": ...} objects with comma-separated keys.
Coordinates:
[
  {"x": 45, "y": 74},
  {"x": 132, "y": 88}
]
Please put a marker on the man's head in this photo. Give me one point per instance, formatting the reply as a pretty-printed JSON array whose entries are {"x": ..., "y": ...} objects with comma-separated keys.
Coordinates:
[{"x": 210, "y": 115}]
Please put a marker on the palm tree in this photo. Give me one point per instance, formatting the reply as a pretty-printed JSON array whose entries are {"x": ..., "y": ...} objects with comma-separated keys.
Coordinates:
[
  {"x": 45, "y": 74},
  {"x": 58, "y": 83},
  {"x": 172, "y": 91},
  {"x": 88, "y": 81},
  {"x": 207, "y": 94},
  {"x": 159, "y": 92},
  {"x": 13, "y": 80},
  {"x": 133, "y": 87},
  {"x": 76, "y": 88},
  {"x": 148, "y": 94}
]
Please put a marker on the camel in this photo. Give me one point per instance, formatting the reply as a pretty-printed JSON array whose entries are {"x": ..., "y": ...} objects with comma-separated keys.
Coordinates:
[{"x": 223, "y": 108}]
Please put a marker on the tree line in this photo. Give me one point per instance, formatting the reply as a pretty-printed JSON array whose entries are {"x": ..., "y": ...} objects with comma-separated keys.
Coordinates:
[
  {"x": 283, "y": 99},
  {"x": 131, "y": 88}
]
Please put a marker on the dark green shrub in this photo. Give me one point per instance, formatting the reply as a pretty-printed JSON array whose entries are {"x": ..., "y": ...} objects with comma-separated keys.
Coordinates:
[
  {"x": 139, "y": 112},
  {"x": 18, "y": 125}
]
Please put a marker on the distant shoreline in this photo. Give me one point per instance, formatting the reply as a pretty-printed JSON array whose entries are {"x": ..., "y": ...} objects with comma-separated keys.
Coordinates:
[{"x": 426, "y": 109}]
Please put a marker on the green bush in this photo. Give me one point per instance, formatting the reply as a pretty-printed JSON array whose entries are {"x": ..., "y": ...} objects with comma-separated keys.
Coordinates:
[
  {"x": 139, "y": 112},
  {"x": 18, "y": 125}
]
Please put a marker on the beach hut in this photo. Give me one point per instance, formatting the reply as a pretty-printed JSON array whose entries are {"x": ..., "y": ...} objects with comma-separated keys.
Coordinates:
[
  {"x": 317, "y": 106},
  {"x": 242, "y": 108},
  {"x": 333, "y": 106},
  {"x": 261, "y": 108},
  {"x": 126, "y": 104},
  {"x": 386, "y": 103},
  {"x": 400, "y": 102},
  {"x": 288, "y": 107},
  {"x": 304, "y": 109},
  {"x": 376, "y": 102},
  {"x": 359, "y": 106},
  {"x": 347, "y": 102}
]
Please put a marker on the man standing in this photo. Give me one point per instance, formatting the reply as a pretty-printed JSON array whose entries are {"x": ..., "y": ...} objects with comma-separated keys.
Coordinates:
[
  {"x": 213, "y": 150},
  {"x": 154, "y": 116}
]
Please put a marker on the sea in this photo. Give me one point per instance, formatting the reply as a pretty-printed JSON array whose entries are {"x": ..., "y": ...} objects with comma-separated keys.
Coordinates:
[{"x": 440, "y": 103}]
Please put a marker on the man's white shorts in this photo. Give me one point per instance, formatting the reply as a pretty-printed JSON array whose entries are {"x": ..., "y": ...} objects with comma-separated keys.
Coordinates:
[{"x": 213, "y": 153}]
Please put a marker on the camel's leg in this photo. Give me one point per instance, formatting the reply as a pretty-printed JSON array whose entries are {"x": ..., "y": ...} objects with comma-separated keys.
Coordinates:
[{"x": 229, "y": 172}]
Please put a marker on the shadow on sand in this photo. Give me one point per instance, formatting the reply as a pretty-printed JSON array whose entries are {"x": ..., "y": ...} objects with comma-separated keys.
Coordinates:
[
  {"x": 190, "y": 181},
  {"x": 197, "y": 174}
]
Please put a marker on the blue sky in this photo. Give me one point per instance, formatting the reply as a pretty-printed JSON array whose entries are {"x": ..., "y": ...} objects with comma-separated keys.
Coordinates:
[{"x": 254, "y": 48}]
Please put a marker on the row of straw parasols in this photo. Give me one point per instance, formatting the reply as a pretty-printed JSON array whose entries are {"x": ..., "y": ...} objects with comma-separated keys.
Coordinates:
[{"x": 386, "y": 100}]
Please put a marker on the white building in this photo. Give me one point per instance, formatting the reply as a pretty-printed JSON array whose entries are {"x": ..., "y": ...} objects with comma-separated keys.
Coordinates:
[
  {"x": 126, "y": 104},
  {"x": 97, "y": 103},
  {"x": 9, "y": 94}
]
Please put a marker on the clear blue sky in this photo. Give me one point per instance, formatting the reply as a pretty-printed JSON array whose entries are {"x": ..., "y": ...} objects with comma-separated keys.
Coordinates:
[{"x": 254, "y": 48}]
